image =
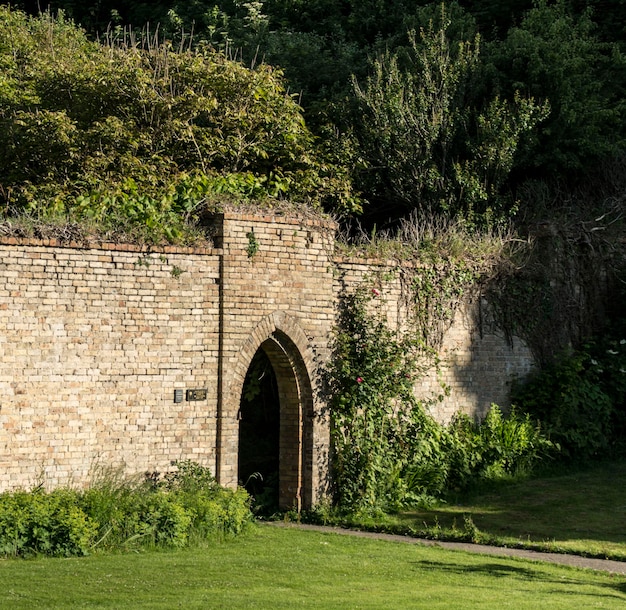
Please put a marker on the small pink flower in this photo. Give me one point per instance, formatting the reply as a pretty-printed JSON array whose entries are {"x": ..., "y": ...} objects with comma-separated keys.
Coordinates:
[
  {"x": 359, "y": 379},
  {"x": 376, "y": 292}
]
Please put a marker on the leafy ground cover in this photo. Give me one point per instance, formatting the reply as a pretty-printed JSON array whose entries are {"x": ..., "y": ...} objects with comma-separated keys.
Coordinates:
[
  {"x": 581, "y": 512},
  {"x": 184, "y": 507},
  {"x": 286, "y": 568}
]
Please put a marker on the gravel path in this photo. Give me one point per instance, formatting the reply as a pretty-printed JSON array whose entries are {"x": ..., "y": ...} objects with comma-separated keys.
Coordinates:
[{"x": 576, "y": 561}]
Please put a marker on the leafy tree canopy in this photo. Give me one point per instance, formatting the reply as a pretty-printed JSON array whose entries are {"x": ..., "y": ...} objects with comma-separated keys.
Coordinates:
[
  {"x": 565, "y": 55},
  {"x": 556, "y": 56},
  {"x": 92, "y": 129},
  {"x": 431, "y": 144}
]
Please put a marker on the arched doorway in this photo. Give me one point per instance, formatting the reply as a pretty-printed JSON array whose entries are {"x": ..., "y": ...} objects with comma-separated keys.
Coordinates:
[
  {"x": 259, "y": 434},
  {"x": 275, "y": 436}
]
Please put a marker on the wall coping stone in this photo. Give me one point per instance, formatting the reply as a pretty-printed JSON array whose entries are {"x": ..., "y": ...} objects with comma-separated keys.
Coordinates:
[
  {"x": 344, "y": 259},
  {"x": 277, "y": 217},
  {"x": 109, "y": 246}
]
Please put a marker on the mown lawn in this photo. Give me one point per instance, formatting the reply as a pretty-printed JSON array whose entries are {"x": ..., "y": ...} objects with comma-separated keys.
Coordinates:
[
  {"x": 581, "y": 512},
  {"x": 273, "y": 567},
  {"x": 285, "y": 568}
]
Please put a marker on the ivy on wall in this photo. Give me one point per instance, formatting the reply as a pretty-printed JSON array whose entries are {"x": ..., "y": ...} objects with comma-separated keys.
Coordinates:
[{"x": 388, "y": 453}]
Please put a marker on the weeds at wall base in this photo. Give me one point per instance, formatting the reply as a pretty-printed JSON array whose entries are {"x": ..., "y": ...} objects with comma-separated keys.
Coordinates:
[{"x": 180, "y": 509}]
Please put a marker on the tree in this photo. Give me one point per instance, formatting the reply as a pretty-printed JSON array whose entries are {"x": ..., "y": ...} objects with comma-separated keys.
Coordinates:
[
  {"x": 429, "y": 144},
  {"x": 86, "y": 127},
  {"x": 555, "y": 56}
]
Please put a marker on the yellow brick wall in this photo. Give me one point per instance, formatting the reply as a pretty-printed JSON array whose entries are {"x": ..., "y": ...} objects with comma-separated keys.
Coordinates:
[
  {"x": 477, "y": 363},
  {"x": 94, "y": 340},
  {"x": 93, "y": 343}
]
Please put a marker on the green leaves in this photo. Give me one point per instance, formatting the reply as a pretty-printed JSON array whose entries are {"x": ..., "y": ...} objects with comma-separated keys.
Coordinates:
[
  {"x": 46, "y": 523},
  {"x": 182, "y": 507},
  {"x": 373, "y": 408},
  {"x": 388, "y": 452},
  {"x": 556, "y": 56},
  {"x": 82, "y": 120},
  {"x": 430, "y": 146},
  {"x": 580, "y": 397}
]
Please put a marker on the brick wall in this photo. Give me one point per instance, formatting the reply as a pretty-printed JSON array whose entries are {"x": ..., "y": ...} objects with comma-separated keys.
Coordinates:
[
  {"x": 94, "y": 341},
  {"x": 280, "y": 297},
  {"x": 477, "y": 362}
]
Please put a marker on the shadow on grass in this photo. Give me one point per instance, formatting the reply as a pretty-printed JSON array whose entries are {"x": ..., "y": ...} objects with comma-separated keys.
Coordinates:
[
  {"x": 534, "y": 574},
  {"x": 586, "y": 505}
]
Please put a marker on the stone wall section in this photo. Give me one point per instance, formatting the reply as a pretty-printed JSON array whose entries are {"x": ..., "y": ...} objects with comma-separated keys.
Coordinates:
[
  {"x": 477, "y": 363},
  {"x": 277, "y": 284},
  {"x": 93, "y": 343}
]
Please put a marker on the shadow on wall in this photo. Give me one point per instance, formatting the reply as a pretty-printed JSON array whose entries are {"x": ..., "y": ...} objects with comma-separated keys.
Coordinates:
[
  {"x": 478, "y": 365},
  {"x": 478, "y": 362}
]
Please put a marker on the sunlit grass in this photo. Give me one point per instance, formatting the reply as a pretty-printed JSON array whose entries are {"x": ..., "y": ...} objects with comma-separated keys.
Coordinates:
[
  {"x": 273, "y": 567},
  {"x": 287, "y": 568}
]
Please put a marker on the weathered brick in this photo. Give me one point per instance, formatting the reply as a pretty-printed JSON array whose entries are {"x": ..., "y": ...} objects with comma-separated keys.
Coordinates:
[{"x": 97, "y": 339}]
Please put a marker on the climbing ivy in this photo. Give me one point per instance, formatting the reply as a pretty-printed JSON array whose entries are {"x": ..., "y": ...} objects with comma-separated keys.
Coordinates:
[
  {"x": 434, "y": 294},
  {"x": 253, "y": 244}
]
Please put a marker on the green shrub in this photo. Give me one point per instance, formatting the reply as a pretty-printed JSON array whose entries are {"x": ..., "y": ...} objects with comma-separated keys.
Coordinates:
[
  {"x": 214, "y": 510},
  {"x": 388, "y": 453},
  {"x": 190, "y": 477},
  {"x": 156, "y": 519},
  {"x": 181, "y": 508},
  {"x": 135, "y": 138},
  {"x": 44, "y": 523},
  {"x": 374, "y": 413},
  {"x": 512, "y": 444},
  {"x": 467, "y": 452},
  {"x": 576, "y": 402}
]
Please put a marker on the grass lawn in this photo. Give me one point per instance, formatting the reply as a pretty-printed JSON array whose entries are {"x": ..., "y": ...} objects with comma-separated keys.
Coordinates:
[
  {"x": 285, "y": 568},
  {"x": 273, "y": 567},
  {"x": 582, "y": 512}
]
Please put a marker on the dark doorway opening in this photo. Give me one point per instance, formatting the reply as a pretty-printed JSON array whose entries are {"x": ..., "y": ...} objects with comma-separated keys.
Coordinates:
[{"x": 259, "y": 435}]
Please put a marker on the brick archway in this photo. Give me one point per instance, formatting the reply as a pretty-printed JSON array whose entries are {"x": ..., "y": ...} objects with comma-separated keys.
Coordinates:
[{"x": 286, "y": 347}]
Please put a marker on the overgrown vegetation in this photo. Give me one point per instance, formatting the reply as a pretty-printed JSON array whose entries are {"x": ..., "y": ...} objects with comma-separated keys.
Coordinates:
[
  {"x": 133, "y": 133},
  {"x": 388, "y": 452},
  {"x": 567, "y": 54},
  {"x": 462, "y": 112},
  {"x": 441, "y": 263},
  {"x": 182, "y": 508},
  {"x": 581, "y": 398},
  {"x": 569, "y": 282},
  {"x": 444, "y": 151},
  {"x": 409, "y": 106}
]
